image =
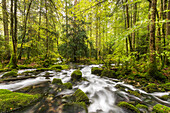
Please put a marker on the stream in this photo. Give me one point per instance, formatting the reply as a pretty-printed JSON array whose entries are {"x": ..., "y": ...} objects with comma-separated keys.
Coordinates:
[{"x": 102, "y": 92}]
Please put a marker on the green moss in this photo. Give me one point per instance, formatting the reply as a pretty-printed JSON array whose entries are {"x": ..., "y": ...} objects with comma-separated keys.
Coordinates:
[
  {"x": 23, "y": 67},
  {"x": 57, "y": 81},
  {"x": 11, "y": 100},
  {"x": 166, "y": 86},
  {"x": 128, "y": 106},
  {"x": 158, "y": 108},
  {"x": 96, "y": 70},
  {"x": 80, "y": 96},
  {"x": 165, "y": 97},
  {"x": 134, "y": 93},
  {"x": 68, "y": 85},
  {"x": 76, "y": 75},
  {"x": 43, "y": 69},
  {"x": 55, "y": 67},
  {"x": 10, "y": 74},
  {"x": 151, "y": 88},
  {"x": 142, "y": 106},
  {"x": 108, "y": 73},
  {"x": 65, "y": 67}
]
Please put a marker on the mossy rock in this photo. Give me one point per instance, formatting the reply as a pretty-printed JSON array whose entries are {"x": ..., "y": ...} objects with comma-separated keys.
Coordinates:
[
  {"x": 76, "y": 75},
  {"x": 165, "y": 97},
  {"x": 135, "y": 93},
  {"x": 80, "y": 96},
  {"x": 128, "y": 106},
  {"x": 108, "y": 73},
  {"x": 158, "y": 108},
  {"x": 55, "y": 67},
  {"x": 43, "y": 69},
  {"x": 12, "y": 100},
  {"x": 165, "y": 86},
  {"x": 68, "y": 85},
  {"x": 151, "y": 88},
  {"x": 57, "y": 81},
  {"x": 96, "y": 71},
  {"x": 10, "y": 74},
  {"x": 141, "y": 106},
  {"x": 75, "y": 107}
]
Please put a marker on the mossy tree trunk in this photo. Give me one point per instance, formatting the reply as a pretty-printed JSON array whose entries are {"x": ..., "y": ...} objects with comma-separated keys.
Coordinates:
[{"x": 13, "y": 60}]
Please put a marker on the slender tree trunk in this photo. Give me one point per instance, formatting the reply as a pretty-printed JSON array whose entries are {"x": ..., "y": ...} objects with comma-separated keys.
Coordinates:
[
  {"x": 128, "y": 25},
  {"x": 134, "y": 22},
  {"x": 147, "y": 38},
  {"x": 97, "y": 33},
  {"x": 153, "y": 64},
  {"x": 164, "y": 31},
  {"x": 5, "y": 24},
  {"x": 168, "y": 30},
  {"x": 47, "y": 37},
  {"x": 25, "y": 27}
]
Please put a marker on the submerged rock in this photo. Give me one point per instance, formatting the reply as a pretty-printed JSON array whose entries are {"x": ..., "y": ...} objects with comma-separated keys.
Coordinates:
[{"x": 68, "y": 85}]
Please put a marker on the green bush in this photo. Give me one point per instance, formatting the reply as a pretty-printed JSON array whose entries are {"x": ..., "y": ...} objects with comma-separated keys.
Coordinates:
[
  {"x": 128, "y": 106},
  {"x": 158, "y": 108},
  {"x": 166, "y": 86},
  {"x": 10, "y": 74},
  {"x": 76, "y": 75}
]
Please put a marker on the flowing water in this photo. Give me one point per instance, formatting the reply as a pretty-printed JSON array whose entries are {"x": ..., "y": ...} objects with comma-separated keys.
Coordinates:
[{"x": 102, "y": 92}]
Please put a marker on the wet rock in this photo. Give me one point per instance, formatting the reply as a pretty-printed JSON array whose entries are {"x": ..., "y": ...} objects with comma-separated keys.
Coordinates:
[
  {"x": 108, "y": 73},
  {"x": 57, "y": 81},
  {"x": 96, "y": 70},
  {"x": 75, "y": 107},
  {"x": 158, "y": 108},
  {"x": 142, "y": 108},
  {"x": 10, "y": 74},
  {"x": 129, "y": 107},
  {"x": 151, "y": 88},
  {"x": 12, "y": 100},
  {"x": 68, "y": 85},
  {"x": 80, "y": 96},
  {"x": 76, "y": 75}
]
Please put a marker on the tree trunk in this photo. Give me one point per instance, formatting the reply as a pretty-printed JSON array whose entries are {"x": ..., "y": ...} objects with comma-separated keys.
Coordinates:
[
  {"x": 13, "y": 60},
  {"x": 128, "y": 25},
  {"x": 5, "y": 24},
  {"x": 47, "y": 37},
  {"x": 147, "y": 38},
  {"x": 25, "y": 27},
  {"x": 153, "y": 65},
  {"x": 168, "y": 31},
  {"x": 97, "y": 33},
  {"x": 134, "y": 22}
]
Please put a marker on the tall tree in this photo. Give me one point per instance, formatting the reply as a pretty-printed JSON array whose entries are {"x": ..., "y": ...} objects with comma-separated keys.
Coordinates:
[
  {"x": 13, "y": 60},
  {"x": 153, "y": 65},
  {"x": 5, "y": 24},
  {"x": 128, "y": 25}
]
